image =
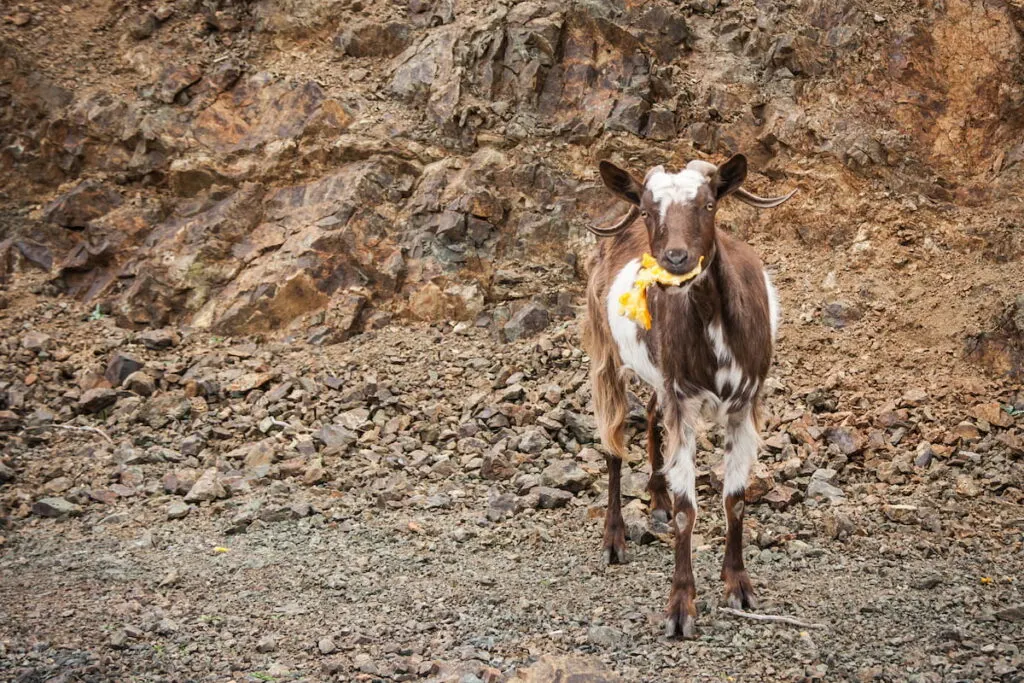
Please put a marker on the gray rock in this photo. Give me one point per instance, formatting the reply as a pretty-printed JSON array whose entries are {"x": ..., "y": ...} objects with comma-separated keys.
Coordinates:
[
  {"x": 528, "y": 321},
  {"x": 326, "y": 645},
  {"x": 533, "y": 441},
  {"x": 638, "y": 523},
  {"x": 208, "y": 487},
  {"x": 567, "y": 475},
  {"x": 549, "y": 498},
  {"x": 178, "y": 510},
  {"x": 335, "y": 436},
  {"x": 820, "y": 489},
  {"x": 525, "y": 483},
  {"x": 35, "y": 341},
  {"x": 501, "y": 505},
  {"x": 1015, "y": 613},
  {"x": 824, "y": 474},
  {"x": 95, "y": 400},
  {"x": 267, "y": 644},
  {"x": 55, "y": 507},
  {"x": 6, "y": 474},
  {"x": 604, "y": 636},
  {"x": 839, "y": 314}
]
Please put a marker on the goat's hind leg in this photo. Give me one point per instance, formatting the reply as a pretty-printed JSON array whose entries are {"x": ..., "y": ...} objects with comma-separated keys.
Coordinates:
[{"x": 610, "y": 409}]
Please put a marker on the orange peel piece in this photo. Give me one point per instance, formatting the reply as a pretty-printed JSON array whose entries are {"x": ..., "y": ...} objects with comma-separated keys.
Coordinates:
[{"x": 633, "y": 304}]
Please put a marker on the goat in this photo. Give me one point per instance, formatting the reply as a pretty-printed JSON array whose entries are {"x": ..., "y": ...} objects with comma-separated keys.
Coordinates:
[{"x": 708, "y": 349}]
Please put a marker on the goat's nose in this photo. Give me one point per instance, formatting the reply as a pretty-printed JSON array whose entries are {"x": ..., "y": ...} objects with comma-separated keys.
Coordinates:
[{"x": 676, "y": 257}]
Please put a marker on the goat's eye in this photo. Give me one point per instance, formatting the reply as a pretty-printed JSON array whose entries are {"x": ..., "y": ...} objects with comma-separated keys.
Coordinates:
[
  {"x": 644, "y": 214},
  {"x": 709, "y": 206}
]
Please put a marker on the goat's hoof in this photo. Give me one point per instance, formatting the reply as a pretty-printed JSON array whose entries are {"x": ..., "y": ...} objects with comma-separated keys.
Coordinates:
[
  {"x": 615, "y": 555},
  {"x": 682, "y": 625},
  {"x": 681, "y": 620},
  {"x": 660, "y": 516},
  {"x": 739, "y": 591}
]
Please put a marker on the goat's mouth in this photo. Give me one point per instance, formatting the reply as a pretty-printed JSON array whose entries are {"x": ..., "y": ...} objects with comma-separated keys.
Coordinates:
[{"x": 681, "y": 268}]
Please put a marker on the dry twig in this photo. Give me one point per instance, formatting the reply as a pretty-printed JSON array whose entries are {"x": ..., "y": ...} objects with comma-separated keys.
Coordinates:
[
  {"x": 769, "y": 617},
  {"x": 75, "y": 428}
]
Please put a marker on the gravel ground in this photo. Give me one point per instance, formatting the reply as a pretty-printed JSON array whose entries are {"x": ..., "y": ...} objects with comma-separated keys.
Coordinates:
[{"x": 426, "y": 502}]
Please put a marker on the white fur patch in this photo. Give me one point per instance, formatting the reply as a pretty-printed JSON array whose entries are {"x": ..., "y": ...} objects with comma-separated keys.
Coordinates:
[
  {"x": 743, "y": 440},
  {"x": 632, "y": 351},
  {"x": 773, "y": 304},
  {"x": 728, "y": 371},
  {"x": 717, "y": 338},
  {"x": 681, "y": 470},
  {"x": 675, "y": 188}
]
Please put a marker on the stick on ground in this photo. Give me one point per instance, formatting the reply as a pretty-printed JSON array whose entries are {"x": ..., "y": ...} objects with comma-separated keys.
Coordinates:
[
  {"x": 769, "y": 617},
  {"x": 74, "y": 428}
]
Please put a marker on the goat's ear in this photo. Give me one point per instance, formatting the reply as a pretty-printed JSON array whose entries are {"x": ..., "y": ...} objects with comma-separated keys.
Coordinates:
[
  {"x": 622, "y": 184},
  {"x": 731, "y": 175}
]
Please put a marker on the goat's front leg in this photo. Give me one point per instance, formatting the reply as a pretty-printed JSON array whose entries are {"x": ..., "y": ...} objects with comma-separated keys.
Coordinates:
[
  {"x": 661, "y": 503},
  {"x": 682, "y": 479},
  {"x": 740, "y": 453}
]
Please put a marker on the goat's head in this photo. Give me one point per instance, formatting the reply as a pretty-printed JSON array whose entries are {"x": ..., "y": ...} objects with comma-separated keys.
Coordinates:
[{"x": 679, "y": 208}]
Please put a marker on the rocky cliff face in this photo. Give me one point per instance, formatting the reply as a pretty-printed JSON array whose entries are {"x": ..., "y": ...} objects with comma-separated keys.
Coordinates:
[{"x": 313, "y": 168}]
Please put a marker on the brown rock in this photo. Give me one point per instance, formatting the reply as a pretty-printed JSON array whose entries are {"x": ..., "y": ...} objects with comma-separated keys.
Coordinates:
[
  {"x": 967, "y": 432},
  {"x": 86, "y": 202},
  {"x": 174, "y": 79},
  {"x": 35, "y": 341},
  {"x": 250, "y": 381},
  {"x": 575, "y": 669},
  {"x": 9, "y": 421},
  {"x": 158, "y": 340},
  {"x": 143, "y": 26},
  {"x": 967, "y": 487},
  {"x": 315, "y": 473},
  {"x": 914, "y": 398},
  {"x": 95, "y": 400},
  {"x": 781, "y": 497},
  {"x": 119, "y": 367},
  {"x": 179, "y": 481},
  {"x": 759, "y": 483},
  {"x": 260, "y": 454},
  {"x": 993, "y": 413},
  {"x": 373, "y": 39},
  {"x": 139, "y": 383},
  {"x": 847, "y": 439},
  {"x": 19, "y": 19},
  {"x": 293, "y": 467},
  {"x": 208, "y": 487}
]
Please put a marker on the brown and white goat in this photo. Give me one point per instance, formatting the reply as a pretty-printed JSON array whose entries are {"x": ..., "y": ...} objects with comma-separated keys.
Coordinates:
[{"x": 707, "y": 352}]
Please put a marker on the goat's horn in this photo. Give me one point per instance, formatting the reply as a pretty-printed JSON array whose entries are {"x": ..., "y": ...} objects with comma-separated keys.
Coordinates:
[
  {"x": 618, "y": 227},
  {"x": 761, "y": 202}
]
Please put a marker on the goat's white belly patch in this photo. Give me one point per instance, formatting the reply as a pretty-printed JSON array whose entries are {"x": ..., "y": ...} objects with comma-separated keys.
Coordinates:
[{"x": 632, "y": 351}]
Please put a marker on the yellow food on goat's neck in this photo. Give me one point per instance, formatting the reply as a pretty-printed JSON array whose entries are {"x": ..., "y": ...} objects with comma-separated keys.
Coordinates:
[{"x": 633, "y": 304}]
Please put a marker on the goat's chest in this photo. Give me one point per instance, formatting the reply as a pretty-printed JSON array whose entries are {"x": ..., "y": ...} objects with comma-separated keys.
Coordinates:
[
  {"x": 687, "y": 352},
  {"x": 632, "y": 345}
]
